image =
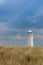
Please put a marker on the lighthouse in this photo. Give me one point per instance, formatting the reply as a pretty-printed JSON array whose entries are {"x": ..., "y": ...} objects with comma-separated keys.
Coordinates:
[{"x": 30, "y": 38}]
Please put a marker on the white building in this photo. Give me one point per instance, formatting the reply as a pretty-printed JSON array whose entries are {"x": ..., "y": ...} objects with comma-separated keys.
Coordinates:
[{"x": 30, "y": 38}]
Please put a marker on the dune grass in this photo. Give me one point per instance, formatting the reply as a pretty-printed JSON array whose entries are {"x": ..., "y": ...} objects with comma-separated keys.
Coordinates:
[{"x": 21, "y": 55}]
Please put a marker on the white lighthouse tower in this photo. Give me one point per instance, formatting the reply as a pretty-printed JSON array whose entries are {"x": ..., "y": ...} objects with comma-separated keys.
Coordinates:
[{"x": 30, "y": 38}]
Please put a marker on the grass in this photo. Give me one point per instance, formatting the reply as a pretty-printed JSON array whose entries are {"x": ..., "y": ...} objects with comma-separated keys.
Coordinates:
[{"x": 21, "y": 55}]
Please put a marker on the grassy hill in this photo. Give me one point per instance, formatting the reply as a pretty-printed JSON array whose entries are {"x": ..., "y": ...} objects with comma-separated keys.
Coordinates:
[{"x": 21, "y": 55}]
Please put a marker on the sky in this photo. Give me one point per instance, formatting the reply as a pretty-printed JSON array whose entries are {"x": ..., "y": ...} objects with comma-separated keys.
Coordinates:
[{"x": 17, "y": 17}]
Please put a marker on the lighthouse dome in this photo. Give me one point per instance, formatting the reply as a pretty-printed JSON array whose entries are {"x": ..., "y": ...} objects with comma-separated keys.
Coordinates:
[{"x": 29, "y": 32}]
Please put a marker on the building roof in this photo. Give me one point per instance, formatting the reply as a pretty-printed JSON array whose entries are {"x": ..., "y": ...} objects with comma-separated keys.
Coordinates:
[{"x": 29, "y": 31}]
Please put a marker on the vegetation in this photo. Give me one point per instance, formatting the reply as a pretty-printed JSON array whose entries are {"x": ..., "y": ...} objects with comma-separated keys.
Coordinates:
[{"x": 21, "y": 55}]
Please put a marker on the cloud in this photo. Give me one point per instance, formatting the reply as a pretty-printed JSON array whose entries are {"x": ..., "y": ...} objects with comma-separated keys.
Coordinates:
[
  {"x": 10, "y": 36},
  {"x": 40, "y": 11},
  {"x": 2, "y": 2},
  {"x": 19, "y": 9}
]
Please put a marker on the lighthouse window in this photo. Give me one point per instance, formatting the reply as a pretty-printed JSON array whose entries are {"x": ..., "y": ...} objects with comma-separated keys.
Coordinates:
[{"x": 29, "y": 33}]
